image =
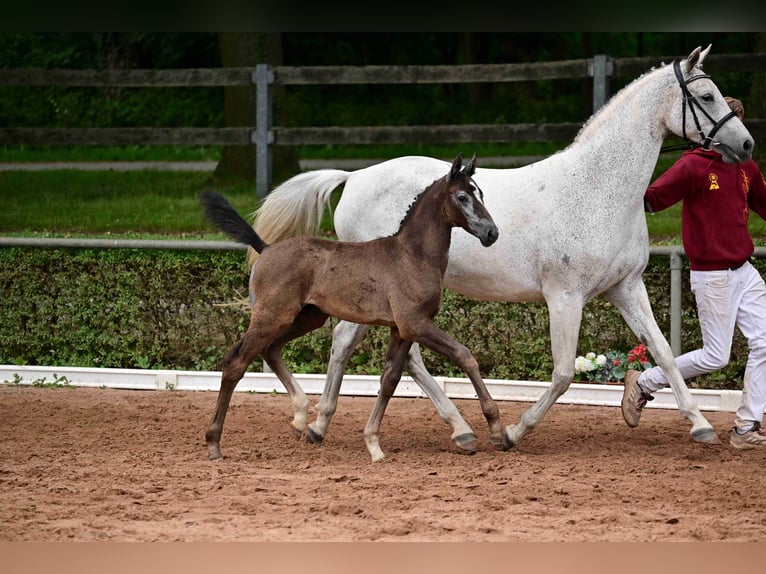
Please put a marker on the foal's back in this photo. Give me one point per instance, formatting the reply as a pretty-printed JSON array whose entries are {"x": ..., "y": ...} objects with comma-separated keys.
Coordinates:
[{"x": 371, "y": 282}]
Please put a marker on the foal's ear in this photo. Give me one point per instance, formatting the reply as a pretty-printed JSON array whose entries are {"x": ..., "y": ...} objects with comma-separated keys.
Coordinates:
[
  {"x": 457, "y": 165},
  {"x": 470, "y": 168}
]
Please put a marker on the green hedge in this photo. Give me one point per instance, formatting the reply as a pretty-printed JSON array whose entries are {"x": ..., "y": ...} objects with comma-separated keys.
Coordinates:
[{"x": 163, "y": 309}]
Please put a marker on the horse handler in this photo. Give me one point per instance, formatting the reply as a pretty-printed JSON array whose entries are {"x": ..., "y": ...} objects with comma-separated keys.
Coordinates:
[{"x": 717, "y": 199}]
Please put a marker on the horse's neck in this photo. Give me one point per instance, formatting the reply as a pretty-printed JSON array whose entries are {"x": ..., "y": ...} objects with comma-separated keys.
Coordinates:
[
  {"x": 425, "y": 232},
  {"x": 626, "y": 135}
]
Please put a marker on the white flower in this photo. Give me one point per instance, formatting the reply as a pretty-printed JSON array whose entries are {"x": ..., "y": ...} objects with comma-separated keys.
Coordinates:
[
  {"x": 590, "y": 356},
  {"x": 601, "y": 360},
  {"x": 583, "y": 365}
]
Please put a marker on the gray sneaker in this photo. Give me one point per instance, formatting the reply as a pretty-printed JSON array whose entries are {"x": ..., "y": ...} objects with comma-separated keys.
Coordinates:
[
  {"x": 753, "y": 438},
  {"x": 634, "y": 399}
]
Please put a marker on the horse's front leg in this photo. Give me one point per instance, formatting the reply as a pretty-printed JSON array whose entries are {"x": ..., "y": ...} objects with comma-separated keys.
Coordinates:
[
  {"x": 429, "y": 335},
  {"x": 462, "y": 435},
  {"x": 565, "y": 310},
  {"x": 345, "y": 338},
  {"x": 631, "y": 299},
  {"x": 392, "y": 374}
]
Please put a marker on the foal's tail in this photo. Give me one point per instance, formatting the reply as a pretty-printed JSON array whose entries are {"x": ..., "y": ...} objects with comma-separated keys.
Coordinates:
[
  {"x": 221, "y": 214},
  {"x": 296, "y": 206}
]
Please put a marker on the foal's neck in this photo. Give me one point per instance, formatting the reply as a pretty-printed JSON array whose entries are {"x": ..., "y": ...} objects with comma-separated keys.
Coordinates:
[{"x": 425, "y": 231}]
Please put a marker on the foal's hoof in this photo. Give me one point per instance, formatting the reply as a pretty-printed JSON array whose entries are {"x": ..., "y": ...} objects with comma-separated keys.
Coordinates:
[
  {"x": 214, "y": 452},
  {"x": 467, "y": 442},
  {"x": 313, "y": 437},
  {"x": 706, "y": 435}
]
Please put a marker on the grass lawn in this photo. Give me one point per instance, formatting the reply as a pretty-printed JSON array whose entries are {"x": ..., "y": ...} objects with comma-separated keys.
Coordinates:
[
  {"x": 96, "y": 203},
  {"x": 165, "y": 204}
]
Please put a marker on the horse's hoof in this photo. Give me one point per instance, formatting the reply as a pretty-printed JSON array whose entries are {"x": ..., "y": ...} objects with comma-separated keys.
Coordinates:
[
  {"x": 500, "y": 443},
  {"x": 508, "y": 442},
  {"x": 297, "y": 433},
  {"x": 467, "y": 442},
  {"x": 706, "y": 435},
  {"x": 313, "y": 437}
]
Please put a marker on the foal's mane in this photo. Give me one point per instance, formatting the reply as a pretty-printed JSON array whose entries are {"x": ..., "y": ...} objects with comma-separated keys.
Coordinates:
[{"x": 411, "y": 208}]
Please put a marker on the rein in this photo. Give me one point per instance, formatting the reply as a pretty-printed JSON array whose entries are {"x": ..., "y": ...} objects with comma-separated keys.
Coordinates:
[{"x": 693, "y": 104}]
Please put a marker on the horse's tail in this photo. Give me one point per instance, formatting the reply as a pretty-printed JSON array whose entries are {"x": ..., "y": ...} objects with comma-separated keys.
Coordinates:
[
  {"x": 296, "y": 206},
  {"x": 221, "y": 214}
]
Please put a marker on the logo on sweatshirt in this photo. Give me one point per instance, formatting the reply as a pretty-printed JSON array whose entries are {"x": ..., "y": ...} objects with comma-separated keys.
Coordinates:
[{"x": 713, "y": 178}]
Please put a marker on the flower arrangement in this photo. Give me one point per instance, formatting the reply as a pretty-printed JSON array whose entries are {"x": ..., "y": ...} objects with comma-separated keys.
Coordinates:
[{"x": 612, "y": 366}]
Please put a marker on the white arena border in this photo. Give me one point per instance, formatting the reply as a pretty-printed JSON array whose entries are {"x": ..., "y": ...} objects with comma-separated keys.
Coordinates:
[{"x": 353, "y": 385}]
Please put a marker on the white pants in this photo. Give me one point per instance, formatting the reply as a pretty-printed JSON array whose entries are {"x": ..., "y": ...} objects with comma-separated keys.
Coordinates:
[{"x": 725, "y": 299}]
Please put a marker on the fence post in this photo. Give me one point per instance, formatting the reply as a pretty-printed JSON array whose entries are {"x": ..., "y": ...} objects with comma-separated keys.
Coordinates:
[
  {"x": 264, "y": 136},
  {"x": 676, "y": 265},
  {"x": 600, "y": 67}
]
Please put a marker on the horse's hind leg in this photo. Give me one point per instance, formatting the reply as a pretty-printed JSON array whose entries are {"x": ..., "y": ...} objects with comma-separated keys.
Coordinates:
[
  {"x": 345, "y": 337},
  {"x": 235, "y": 364},
  {"x": 392, "y": 373},
  {"x": 565, "y": 310},
  {"x": 462, "y": 435},
  {"x": 632, "y": 301}
]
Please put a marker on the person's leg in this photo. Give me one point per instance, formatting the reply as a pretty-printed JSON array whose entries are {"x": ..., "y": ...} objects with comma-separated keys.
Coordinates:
[
  {"x": 751, "y": 320},
  {"x": 717, "y": 298}
]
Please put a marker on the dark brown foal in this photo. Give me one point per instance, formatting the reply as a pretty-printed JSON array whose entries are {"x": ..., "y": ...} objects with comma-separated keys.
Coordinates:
[{"x": 394, "y": 281}]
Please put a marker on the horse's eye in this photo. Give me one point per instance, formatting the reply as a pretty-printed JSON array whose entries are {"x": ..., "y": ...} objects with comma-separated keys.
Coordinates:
[
  {"x": 462, "y": 197},
  {"x": 707, "y": 97}
]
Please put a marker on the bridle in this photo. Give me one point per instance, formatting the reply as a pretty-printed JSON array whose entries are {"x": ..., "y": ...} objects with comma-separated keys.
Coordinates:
[{"x": 693, "y": 105}]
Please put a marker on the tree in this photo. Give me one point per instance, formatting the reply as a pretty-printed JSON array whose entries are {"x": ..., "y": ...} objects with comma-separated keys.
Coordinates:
[{"x": 247, "y": 50}]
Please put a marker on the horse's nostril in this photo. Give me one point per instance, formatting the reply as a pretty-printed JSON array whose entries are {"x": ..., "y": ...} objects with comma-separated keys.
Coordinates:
[{"x": 748, "y": 145}]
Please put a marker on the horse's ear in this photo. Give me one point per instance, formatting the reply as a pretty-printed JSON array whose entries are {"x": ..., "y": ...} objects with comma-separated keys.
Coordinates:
[
  {"x": 693, "y": 59},
  {"x": 704, "y": 54},
  {"x": 457, "y": 165},
  {"x": 471, "y": 167}
]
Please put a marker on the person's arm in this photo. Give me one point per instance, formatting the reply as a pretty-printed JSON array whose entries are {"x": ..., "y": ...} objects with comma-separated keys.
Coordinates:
[{"x": 668, "y": 189}]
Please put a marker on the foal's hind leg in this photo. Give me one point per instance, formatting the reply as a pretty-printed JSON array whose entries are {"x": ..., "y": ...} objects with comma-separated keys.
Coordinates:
[
  {"x": 632, "y": 301},
  {"x": 392, "y": 373},
  {"x": 235, "y": 364}
]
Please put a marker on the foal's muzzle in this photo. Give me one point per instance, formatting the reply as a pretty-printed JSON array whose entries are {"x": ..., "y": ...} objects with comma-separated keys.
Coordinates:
[{"x": 488, "y": 235}]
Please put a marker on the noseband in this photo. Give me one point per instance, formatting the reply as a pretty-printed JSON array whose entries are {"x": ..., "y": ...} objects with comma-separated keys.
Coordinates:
[{"x": 693, "y": 104}]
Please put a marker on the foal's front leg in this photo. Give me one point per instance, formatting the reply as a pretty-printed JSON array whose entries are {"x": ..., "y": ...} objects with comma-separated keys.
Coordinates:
[
  {"x": 429, "y": 335},
  {"x": 392, "y": 373}
]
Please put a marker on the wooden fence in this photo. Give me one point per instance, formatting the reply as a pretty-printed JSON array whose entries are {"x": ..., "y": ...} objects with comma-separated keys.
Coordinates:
[{"x": 264, "y": 135}]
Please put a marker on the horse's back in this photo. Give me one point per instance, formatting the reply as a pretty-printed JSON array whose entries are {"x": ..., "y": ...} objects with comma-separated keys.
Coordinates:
[{"x": 378, "y": 196}]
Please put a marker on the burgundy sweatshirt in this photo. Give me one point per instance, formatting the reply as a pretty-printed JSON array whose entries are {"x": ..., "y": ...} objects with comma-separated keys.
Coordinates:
[{"x": 717, "y": 200}]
